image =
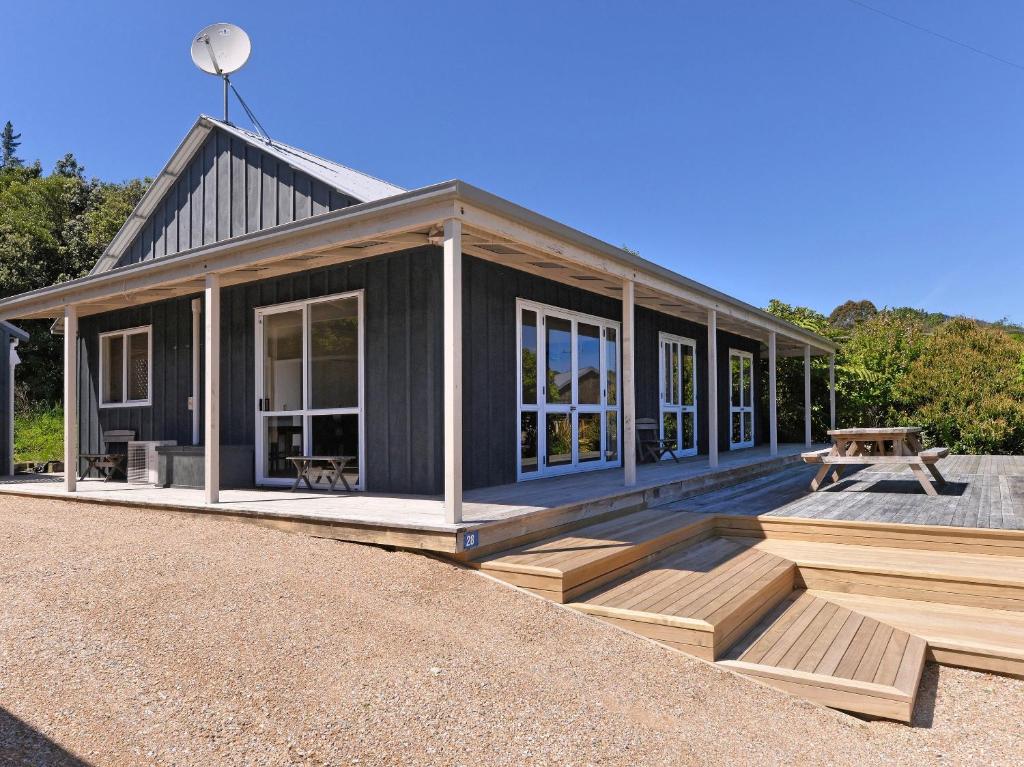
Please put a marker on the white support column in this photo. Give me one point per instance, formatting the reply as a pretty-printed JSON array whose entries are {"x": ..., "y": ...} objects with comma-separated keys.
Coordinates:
[
  {"x": 628, "y": 383},
  {"x": 712, "y": 388},
  {"x": 807, "y": 395},
  {"x": 773, "y": 393},
  {"x": 453, "y": 371},
  {"x": 211, "y": 391},
  {"x": 832, "y": 390},
  {"x": 70, "y": 398}
]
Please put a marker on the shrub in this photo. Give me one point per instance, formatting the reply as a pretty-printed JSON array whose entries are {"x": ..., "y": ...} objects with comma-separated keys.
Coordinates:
[
  {"x": 967, "y": 389},
  {"x": 39, "y": 434}
]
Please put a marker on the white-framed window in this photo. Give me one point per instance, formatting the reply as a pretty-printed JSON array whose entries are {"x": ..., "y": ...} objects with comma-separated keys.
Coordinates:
[
  {"x": 741, "y": 399},
  {"x": 678, "y": 392},
  {"x": 568, "y": 406},
  {"x": 126, "y": 369}
]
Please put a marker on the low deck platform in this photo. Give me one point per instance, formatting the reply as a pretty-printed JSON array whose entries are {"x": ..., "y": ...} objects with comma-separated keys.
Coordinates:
[{"x": 492, "y": 516}]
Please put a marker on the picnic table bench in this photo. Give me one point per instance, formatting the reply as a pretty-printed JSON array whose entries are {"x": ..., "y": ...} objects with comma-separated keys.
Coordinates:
[
  {"x": 331, "y": 466},
  {"x": 900, "y": 446}
]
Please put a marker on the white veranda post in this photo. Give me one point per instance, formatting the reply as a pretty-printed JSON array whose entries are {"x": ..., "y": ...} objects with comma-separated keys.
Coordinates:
[
  {"x": 773, "y": 404},
  {"x": 832, "y": 390},
  {"x": 70, "y": 398},
  {"x": 628, "y": 385},
  {"x": 807, "y": 394},
  {"x": 712, "y": 388},
  {"x": 453, "y": 371},
  {"x": 211, "y": 393}
]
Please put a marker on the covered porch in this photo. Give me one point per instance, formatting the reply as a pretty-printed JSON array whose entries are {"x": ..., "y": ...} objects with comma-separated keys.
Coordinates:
[
  {"x": 456, "y": 221},
  {"x": 492, "y": 516}
]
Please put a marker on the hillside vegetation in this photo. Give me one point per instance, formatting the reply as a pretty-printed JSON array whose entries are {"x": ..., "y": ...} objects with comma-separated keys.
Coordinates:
[{"x": 959, "y": 378}]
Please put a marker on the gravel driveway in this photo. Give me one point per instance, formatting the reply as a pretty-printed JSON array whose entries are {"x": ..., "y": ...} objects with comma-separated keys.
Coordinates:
[{"x": 141, "y": 637}]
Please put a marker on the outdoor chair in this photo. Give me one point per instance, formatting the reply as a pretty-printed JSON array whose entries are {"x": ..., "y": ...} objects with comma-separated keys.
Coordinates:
[{"x": 650, "y": 447}]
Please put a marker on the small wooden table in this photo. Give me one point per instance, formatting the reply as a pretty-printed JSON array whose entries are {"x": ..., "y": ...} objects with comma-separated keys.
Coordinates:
[
  {"x": 900, "y": 445},
  {"x": 105, "y": 464},
  {"x": 330, "y": 465}
]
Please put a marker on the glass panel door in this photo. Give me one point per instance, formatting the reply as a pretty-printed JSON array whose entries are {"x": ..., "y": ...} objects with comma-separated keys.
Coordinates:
[
  {"x": 568, "y": 397},
  {"x": 678, "y": 392},
  {"x": 741, "y": 399},
  {"x": 309, "y": 386}
]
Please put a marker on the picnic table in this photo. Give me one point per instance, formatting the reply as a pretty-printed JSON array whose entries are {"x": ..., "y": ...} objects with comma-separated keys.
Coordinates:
[
  {"x": 900, "y": 446},
  {"x": 322, "y": 465}
]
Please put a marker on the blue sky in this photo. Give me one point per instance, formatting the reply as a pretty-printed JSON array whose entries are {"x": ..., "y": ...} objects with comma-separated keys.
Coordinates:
[{"x": 802, "y": 149}]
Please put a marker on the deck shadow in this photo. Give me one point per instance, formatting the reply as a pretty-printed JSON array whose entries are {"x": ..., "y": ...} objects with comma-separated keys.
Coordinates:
[
  {"x": 893, "y": 487},
  {"x": 924, "y": 707},
  {"x": 22, "y": 744}
]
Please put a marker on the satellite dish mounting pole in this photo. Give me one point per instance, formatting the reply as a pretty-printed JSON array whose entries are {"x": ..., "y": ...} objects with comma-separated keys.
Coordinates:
[{"x": 226, "y": 85}]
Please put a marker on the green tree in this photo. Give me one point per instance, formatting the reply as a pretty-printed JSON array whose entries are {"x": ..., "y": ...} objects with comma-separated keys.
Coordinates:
[
  {"x": 872, "y": 362},
  {"x": 9, "y": 143},
  {"x": 966, "y": 388},
  {"x": 52, "y": 229},
  {"x": 790, "y": 378},
  {"x": 851, "y": 313}
]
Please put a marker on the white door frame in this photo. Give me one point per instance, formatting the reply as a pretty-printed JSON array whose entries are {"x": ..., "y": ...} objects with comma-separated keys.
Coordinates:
[
  {"x": 573, "y": 408},
  {"x": 306, "y": 412},
  {"x": 746, "y": 409},
  {"x": 664, "y": 406}
]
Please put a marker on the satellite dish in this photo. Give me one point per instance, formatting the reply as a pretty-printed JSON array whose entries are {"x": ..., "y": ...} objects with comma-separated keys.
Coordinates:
[{"x": 221, "y": 49}]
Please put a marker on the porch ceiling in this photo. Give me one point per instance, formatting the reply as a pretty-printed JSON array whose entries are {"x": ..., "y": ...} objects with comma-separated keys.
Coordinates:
[{"x": 493, "y": 229}]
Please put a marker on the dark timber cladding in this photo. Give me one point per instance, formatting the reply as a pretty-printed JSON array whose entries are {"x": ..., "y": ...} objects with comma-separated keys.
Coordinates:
[
  {"x": 229, "y": 188},
  {"x": 403, "y": 365},
  {"x": 403, "y": 409},
  {"x": 490, "y": 432}
]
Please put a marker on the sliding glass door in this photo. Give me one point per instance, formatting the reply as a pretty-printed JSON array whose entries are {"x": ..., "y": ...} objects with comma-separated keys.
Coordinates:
[
  {"x": 309, "y": 385},
  {"x": 678, "y": 392},
  {"x": 741, "y": 399},
  {"x": 568, "y": 410}
]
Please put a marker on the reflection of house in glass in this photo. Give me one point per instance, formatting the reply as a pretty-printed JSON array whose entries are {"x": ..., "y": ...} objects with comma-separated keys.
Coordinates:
[{"x": 589, "y": 386}]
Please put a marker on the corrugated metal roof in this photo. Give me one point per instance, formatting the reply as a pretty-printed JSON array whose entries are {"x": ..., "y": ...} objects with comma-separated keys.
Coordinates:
[{"x": 363, "y": 187}]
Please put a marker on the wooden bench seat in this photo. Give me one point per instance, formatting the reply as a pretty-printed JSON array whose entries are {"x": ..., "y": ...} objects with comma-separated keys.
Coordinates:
[{"x": 917, "y": 462}]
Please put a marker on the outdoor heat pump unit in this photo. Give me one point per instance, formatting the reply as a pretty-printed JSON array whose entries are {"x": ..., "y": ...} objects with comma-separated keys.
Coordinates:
[{"x": 142, "y": 461}]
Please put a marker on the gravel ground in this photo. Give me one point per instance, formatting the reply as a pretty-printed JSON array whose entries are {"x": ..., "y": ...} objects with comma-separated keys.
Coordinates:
[{"x": 132, "y": 637}]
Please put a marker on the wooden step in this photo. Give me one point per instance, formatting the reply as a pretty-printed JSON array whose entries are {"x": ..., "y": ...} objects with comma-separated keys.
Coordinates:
[
  {"x": 829, "y": 654},
  {"x": 972, "y": 580},
  {"x": 699, "y": 600},
  {"x": 972, "y": 637},
  {"x": 568, "y": 565}
]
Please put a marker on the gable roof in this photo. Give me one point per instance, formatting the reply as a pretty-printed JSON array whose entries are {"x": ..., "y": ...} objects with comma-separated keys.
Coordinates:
[{"x": 359, "y": 186}]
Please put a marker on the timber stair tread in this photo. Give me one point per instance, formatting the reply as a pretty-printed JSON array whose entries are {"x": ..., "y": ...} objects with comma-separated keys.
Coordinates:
[
  {"x": 571, "y": 563},
  {"x": 975, "y": 637},
  {"x": 977, "y": 568},
  {"x": 699, "y": 599},
  {"x": 833, "y": 655}
]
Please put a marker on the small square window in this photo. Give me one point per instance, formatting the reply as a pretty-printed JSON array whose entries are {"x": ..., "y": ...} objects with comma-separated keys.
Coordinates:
[{"x": 125, "y": 367}]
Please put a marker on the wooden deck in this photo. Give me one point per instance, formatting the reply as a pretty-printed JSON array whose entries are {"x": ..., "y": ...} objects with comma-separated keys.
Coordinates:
[
  {"x": 493, "y": 516},
  {"x": 815, "y": 648},
  {"x": 843, "y": 613},
  {"x": 981, "y": 492},
  {"x": 699, "y": 600}
]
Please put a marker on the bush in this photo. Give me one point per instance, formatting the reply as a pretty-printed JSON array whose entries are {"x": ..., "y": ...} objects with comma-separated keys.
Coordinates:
[
  {"x": 39, "y": 434},
  {"x": 967, "y": 389}
]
